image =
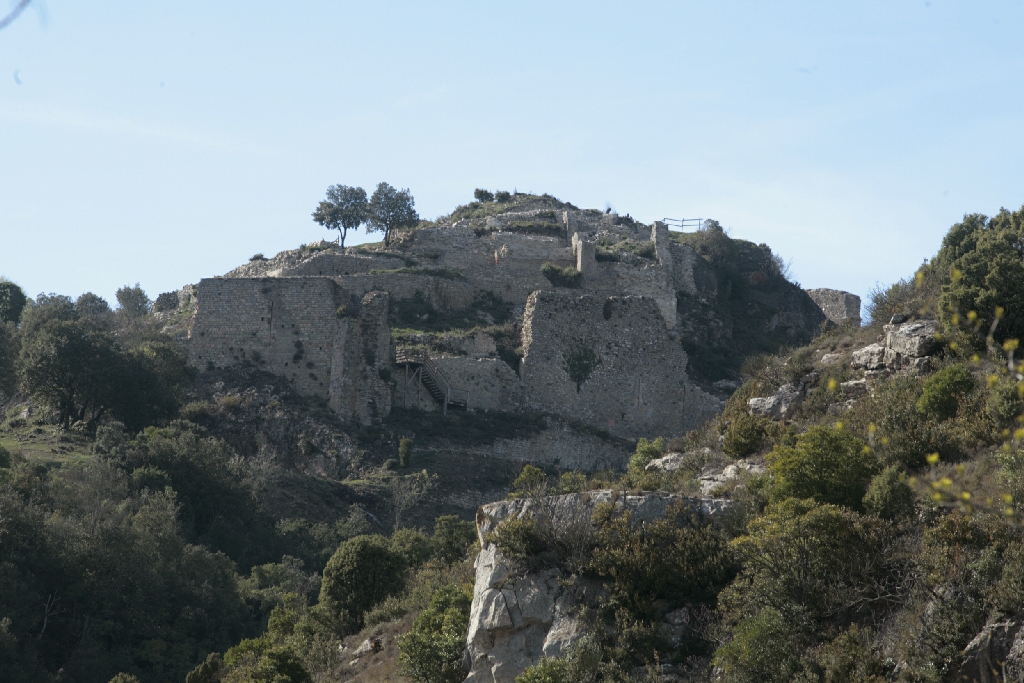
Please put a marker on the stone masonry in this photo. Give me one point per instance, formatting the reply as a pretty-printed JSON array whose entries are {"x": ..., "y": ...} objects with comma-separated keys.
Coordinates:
[
  {"x": 637, "y": 383},
  {"x": 842, "y": 308},
  {"x": 319, "y": 317},
  {"x": 291, "y": 327}
]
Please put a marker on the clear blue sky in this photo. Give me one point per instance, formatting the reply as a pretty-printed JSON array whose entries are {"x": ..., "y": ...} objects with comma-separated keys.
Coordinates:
[{"x": 162, "y": 142}]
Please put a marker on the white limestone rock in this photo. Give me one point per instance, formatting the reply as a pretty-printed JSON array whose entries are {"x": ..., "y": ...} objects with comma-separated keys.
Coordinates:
[
  {"x": 915, "y": 339},
  {"x": 871, "y": 357},
  {"x": 781, "y": 404}
]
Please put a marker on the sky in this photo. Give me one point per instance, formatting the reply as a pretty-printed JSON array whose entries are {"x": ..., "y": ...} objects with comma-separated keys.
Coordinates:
[{"x": 163, "y": 142}]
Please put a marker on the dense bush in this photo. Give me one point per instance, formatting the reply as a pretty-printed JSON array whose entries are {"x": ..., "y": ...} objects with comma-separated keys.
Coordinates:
[
  {"x": 97, "y": 579},
  {"x": 826, "y": 464},
  {"x": 889, "y": 496},
  {"x": 765, "y": 648},
  {"x": 405, "y": 452},
  {"x": 362, "y": 572},
  {"x": 432, "y": 651},
  {"x": 943, "y": 391},
  {"x": 986, "y": 260},
  {"x": 812, "y": 561},
  {"x": 452, "y": 539},
  {"x": 677, "y": 559},
  {"x": 562, "y": 277},
  {"x": 746, "y": 435},
  {"x": 1005, "y": 403}
]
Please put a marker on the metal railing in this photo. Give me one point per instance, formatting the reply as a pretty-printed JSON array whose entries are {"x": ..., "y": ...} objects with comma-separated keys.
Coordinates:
[
  {"x": 442, "y": 388},
  {"x": 682, "y": 224}
]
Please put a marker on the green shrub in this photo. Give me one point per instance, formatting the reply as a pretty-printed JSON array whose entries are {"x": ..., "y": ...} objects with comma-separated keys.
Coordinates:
[
  {"x": 530, "y": 483},
  {"x": 579, "y": 361},
  {"x": 452, "y": 538},
  {"x": 677, "y": 559},
  {"x": 1007, "y": 595},
  {"x": 1005, "y": 403},
  {"x": 517, "y": 539},
  {"x": 562, "y": 277},
  {"x": 432, "y": 651},
  {"x": 502, "y": 197},
  {"x": 211, "y": 670},
  {"x": 815, "y": 561},
  {"x": 124, "y": 678},
  {"x": 746, "y": 435},
  {"x": 944, "y": 390},
  {"x": 412, "y": 546},
  {"x": 362, "y": 572},
  {"x": 765, "y": 648},
  {"x": 889, "y": 495},
  {"x": 5, "y": 458},
  {"x": 984, "y": 257},
  {"x": 827, "y": 464},
  {"x": 546, "y": 671},
  {"x": 645, "y": 452},
  {"x": 257, "y": 257},
  {"x": 280, "y": 665},
  {"x": 404, "y": 452},
  {"x": 482, "y": 195}
]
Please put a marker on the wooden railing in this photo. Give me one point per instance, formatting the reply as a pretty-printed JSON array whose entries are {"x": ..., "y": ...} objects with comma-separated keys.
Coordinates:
[{"x": 433, "y": 377}]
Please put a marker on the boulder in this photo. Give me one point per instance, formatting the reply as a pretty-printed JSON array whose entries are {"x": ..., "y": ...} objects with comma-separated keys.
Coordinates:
[
  {"x": 831, "y": 358},
  {"x": 871, "y": 357},
  {"x": 673, "y": 461},
  {"x": 854, "y": 388},
  {"x": 996, "y": 654},
  {"x": 711, "y": 480},
  {"x": 914, "y": 339},
  {"x": 781, "y": 404}
]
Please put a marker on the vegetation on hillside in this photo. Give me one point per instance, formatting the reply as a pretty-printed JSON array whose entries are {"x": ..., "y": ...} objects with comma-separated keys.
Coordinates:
[{"x": 877, "y": 541}]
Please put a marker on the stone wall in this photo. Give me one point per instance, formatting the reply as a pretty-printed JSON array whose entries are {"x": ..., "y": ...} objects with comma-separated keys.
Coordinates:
[
  {"x": 290, "y": 327},
  {"x": 490, "y": 383},
  {"x": 840, "y": 307},
  {"x": 637, "y": 384}
]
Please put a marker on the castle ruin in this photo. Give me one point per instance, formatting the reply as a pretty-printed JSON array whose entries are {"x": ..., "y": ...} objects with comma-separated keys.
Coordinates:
[{"x": 604, "y": 349}]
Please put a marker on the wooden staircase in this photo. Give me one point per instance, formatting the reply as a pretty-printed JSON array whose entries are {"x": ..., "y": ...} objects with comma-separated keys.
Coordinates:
[{"x": 431, "y": 377}]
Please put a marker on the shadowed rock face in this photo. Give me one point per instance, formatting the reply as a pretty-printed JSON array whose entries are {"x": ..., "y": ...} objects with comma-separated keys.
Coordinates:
[{"x": 516, "y": 618}]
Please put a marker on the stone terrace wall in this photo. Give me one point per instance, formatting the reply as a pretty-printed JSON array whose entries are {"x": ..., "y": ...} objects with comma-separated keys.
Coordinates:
[{"x": 639, "y": 386}]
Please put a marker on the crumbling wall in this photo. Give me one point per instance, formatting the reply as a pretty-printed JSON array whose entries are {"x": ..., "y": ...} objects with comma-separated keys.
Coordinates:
[
  {"x": 291, "y": 327},
  {"x": 840, "y": 307},
  {"x": 491, "y": 384},
  {"x": 631, "y": 374}
]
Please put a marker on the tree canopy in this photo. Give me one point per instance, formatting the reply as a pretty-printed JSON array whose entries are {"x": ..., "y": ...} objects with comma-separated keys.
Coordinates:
[
  {"x": 345, "y": 208},
  {"x": 12, "y": 302},
  {"x": 389, "y": 209},
  {"x": 985, "y": 262}
]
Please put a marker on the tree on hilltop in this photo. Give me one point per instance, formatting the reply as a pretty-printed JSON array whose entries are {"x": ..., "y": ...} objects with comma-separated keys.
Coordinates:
[
  {"x": 344, "y": 209},
  {"x": 391, "y": 208},
  {"x": 12, "y": 302}
]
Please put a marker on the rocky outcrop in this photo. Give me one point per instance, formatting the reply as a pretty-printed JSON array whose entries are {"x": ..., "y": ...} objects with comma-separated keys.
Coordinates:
[
  {"x": 780, "y": 404},
  {"x": 996, "y": 654},
  {"x": 906, "y": 346},
  {"x": 518, "y": 618}
]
